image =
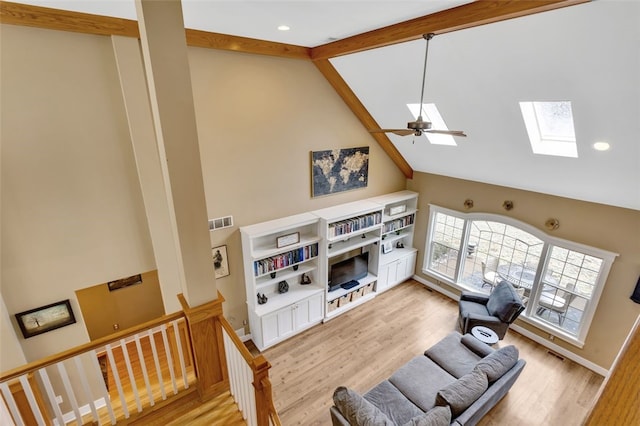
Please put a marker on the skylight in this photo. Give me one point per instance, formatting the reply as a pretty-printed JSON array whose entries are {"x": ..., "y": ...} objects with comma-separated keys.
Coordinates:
[
  {"x": 430, "y": 113},
  {"x": 550, "y": 128}
]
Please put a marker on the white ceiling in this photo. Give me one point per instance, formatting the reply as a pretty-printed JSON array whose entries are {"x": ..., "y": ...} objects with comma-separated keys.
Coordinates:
[{"x": 588, "y": 54}]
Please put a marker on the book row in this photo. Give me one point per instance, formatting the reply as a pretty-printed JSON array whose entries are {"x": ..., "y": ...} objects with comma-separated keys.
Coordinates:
[
  {"x": 354, "y": 224},
  {"x": 398, "y": 223},
  {"x": 284, "y": 260}
]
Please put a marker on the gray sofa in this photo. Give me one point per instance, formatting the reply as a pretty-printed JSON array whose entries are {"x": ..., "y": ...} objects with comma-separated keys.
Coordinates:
[{"x": 457, "y": 381}]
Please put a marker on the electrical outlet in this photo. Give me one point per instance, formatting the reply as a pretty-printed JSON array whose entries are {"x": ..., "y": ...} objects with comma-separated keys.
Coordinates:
[{"x": 59, "y": 399}]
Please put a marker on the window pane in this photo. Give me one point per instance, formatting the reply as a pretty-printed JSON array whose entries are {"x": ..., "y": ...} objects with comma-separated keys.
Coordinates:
[
  {"x": 445, "y": 244},
  {"x": 570, "y": 279},
  {"x": 501, "y": 252}
]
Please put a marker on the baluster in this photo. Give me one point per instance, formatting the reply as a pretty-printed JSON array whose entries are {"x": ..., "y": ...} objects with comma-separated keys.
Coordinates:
[
  {"x": 132, "y": 379},
  {"x": 176, "y": 332},
  {"x": 85, "y": 387},
  {"x": 70, "y": 394},
  {"x": 93, "y": 356},
  {"x": 156, "y": 361},
  {"x": 51, "y": 395},
  {"x": 116, "y": 378},
  {"x": 26, "y": 387},
  {"x": 143, "y": 367},
  {"x": 13, "y": 408},
  {"x": 167, "y": 351}
]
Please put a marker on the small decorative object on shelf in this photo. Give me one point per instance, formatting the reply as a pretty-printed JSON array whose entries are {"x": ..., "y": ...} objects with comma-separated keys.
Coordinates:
[
  {"x": 283, "y": 287},
  {"x": 262, "y": 299},
  {"x": 295, "y": 267},
  {"x": 272, "y": 275},
  {"x": 399, "y": 244},
  {"x": 304, "y": 279},
  {"x": 387, "y": 247}
]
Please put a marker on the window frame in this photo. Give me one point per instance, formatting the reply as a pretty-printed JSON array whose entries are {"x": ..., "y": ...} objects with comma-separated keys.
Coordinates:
[{"x": 549, "y": 242}]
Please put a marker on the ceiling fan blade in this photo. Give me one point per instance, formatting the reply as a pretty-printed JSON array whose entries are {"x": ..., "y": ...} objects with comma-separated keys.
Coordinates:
[
  {"x": 447, "y": 132},
  {"x": 400, "y": 132}
]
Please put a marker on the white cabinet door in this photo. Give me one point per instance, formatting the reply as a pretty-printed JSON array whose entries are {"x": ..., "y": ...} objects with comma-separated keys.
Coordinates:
[
  {"x": 308, "y": 311},
  {"x": 277, "y": 325},
  {"x": 383, "y": 277}
]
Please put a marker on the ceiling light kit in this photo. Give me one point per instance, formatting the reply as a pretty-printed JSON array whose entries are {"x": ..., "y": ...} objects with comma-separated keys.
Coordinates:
[
  {"x": 284, "y": 27},
  {"x": 601, "y": 146},
  {"x": 420, "y": 126}
]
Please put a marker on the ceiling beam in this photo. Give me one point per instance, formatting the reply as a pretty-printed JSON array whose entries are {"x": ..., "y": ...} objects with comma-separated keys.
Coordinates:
[
  {"x": 197, "y": 38},
  {"x": 63, "y": 20},
  {"x": 352, "y": 101},
  {"x": 480, "y": 12}
]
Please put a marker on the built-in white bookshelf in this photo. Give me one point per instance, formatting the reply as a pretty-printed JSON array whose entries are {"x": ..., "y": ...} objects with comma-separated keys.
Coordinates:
[
  {"x": 282, "y": 250},
  {"x": 397, "y": 259},
  {"x": 313, "y": 244},
  {"x": 349, "y": 230}
]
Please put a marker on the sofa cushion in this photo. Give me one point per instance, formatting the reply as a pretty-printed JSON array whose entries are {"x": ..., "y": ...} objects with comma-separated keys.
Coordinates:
[
  {"x": 392, "y": 403},
  {"x": 357, "y": 410},
  {"x": 499, "y": 362},
  {"x": 453, "y": 356},
  {"x": 467, "y": 308},
  {"x": 479, "y": 348},
  {"x": 463, "y": 392},
  {"x": 437, "y": 416},
  {"x": 504, "y": 302},
  {"x": 419, "y": 380}
]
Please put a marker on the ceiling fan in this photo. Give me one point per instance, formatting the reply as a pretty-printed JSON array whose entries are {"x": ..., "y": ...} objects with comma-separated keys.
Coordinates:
[{"x": 420, "y": 126}]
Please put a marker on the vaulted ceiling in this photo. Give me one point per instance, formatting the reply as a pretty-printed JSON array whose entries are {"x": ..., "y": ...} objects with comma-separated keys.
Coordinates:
[{"x": 584, "y": 52}]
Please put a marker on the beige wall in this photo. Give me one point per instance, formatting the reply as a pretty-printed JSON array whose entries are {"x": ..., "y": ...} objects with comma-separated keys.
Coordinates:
[
  {"x": 72, "y": 211},
  {"x": 609, "y": 228},
  {"x": 259, "y": 118}
]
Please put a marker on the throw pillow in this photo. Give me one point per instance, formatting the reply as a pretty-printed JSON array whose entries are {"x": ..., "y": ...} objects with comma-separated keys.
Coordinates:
[
  {"x": 357, "y": 410},
  {"x": 437, "y": 416},
  {"x": 499, "y": 362},
  {"x": 460, "y": 394},
  {"x": 504, "y": 302}
]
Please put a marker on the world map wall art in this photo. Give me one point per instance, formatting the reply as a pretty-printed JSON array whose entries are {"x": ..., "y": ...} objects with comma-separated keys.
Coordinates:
[{"x": 338, "y": 170}]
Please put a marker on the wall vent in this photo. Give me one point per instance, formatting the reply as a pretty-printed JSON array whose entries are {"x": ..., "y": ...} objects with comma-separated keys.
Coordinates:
[{"x": 220, "y": 223}]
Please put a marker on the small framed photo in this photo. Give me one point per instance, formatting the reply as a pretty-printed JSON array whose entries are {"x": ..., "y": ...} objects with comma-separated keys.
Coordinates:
[
  {"x": 394, "y": 210},
  {"x": 287, "y": 240},
  {"x": 220, "y": 261},
  {"x": 124, "y": 282},
  {"x": 45, "y": 318},
  {"x": 387, "y": 247}
]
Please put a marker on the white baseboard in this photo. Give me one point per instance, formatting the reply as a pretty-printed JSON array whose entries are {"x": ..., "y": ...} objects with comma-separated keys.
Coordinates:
[
  {"x": 84, "y": 410},
  {"x": 528, "y": 334}
]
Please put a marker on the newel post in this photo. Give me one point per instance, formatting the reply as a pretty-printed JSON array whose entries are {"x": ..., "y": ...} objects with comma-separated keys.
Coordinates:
[
  {"x": 205, "y": 331},
  {"x": 260, "y": 367}
]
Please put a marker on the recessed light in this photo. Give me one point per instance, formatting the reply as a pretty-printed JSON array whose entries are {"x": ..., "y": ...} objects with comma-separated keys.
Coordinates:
[
  {"x": 601, "y": 146},
  {"x": 284, "y": 28}
]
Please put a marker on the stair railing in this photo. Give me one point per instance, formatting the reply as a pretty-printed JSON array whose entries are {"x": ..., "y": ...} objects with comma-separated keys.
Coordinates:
[
  {"x": 249, "y": 380},
  {"x": 113, "y": 376}
]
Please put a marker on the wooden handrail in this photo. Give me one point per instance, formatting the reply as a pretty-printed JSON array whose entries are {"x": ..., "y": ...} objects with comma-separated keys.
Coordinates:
[
  {"x": 53, "y": 359},
  {"x": 273, "y": 413}
]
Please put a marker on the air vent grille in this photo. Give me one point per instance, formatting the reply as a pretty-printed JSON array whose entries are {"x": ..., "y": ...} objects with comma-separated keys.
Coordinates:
[{"x": 220, "y": 223}]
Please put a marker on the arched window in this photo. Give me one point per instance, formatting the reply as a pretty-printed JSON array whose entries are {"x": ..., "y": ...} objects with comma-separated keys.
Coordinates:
[{"x": 560, "y": 281}]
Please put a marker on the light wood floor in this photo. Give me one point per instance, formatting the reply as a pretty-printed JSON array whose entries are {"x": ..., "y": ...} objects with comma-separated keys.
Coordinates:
[{"x": 365, "y": 345}]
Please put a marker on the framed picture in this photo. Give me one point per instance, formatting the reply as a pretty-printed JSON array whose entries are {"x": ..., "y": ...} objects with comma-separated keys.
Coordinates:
[
  {"x": 45, "y": 318},
  {"x": 124, "y": 282},
  {"x": 338, "y": 170},
  {"x": 220, "y": 261},
  {"x": 387, "y": 247},
  {"x": 287, "y": 240}
]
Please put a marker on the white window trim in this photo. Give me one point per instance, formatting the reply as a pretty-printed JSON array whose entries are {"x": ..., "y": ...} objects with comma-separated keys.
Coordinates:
[{"x": 548, "y": 240}]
